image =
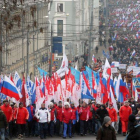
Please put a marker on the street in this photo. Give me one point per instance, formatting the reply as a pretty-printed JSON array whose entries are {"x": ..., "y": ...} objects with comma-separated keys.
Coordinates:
[{"x": 89, "y": 137}]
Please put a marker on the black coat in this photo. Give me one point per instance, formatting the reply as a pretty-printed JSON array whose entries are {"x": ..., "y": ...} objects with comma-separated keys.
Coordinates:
[
  {"x": 106, "y": 133},
  {"x": 101, "y": 113},
  {"x": 134, "y": 133},
  {"x": 3, "y": 120}
]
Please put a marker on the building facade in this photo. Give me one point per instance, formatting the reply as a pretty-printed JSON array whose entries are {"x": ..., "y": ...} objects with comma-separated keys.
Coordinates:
[
  {"x": 71, "y": 20},
  {"x": 24, "y": 41}
]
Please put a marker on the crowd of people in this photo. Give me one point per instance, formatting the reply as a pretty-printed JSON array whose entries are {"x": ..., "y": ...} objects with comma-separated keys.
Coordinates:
[
  {"x": 67, "y": 120},
  {"x": 124, "y": 31}
]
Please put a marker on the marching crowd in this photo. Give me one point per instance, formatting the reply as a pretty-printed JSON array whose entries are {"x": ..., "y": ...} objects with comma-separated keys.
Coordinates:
[
  {"x": 68, "y": 120},
  {"x": 124, "y": 31}
]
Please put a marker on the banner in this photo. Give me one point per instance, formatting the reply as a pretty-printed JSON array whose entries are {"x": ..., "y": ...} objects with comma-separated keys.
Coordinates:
[
  {"x": 136, "y": 82},
  {"x": 114, "y": 70},
  {"x": 122, "y": 66},
  {"x": 136, "y": 86}
]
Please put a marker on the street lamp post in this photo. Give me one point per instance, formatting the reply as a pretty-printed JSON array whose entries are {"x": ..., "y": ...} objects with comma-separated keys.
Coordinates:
[{"x": 51, "y": 51}]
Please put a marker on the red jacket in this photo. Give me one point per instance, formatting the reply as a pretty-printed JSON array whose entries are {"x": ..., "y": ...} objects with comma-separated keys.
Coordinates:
[
  {"x": 83, "y": 112},
  {"x": 73, "y": 117},
  {"x": 90, "y": 113},
  {"x": 66, "y": 115},
  {"x": 52, "y": 113},
  {"x": 21, "y": 115},
  {"x": 112, "y": 114},
  {"x": 59, "y": 113},
  {"x": 124, "y": 113},
  {"x": 95, "y": 107},
  {"x": 7, "y": 111}
]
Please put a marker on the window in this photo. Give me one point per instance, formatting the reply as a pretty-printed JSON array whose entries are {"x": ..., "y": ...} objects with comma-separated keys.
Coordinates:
[
  {"x": 59, "y": 27},
  {"x": 59, "y": 7}
]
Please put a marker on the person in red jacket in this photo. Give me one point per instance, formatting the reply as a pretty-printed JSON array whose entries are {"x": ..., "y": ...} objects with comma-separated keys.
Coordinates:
[
  {"x": 112, "y": 114},
  {"x": 83, "y": 117},
  {"x": 21, "y": 117},
  {"x": 74, "y": 118},
  {"x": 90, "y": 126},
  {"x": 53, "y": 118},
  {"x": 59, "y": 125},
  {"x": 67, "y": 117},
  {"x": 7, "y": 110},
  {"x": 124, "y": 113}
]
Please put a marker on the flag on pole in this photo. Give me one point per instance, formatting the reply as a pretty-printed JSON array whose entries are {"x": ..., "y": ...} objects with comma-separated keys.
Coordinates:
[
  {"x": 10, "y": 89},
  {"x": 42, "y": 72},
  {"x": 94, "y": 59}
]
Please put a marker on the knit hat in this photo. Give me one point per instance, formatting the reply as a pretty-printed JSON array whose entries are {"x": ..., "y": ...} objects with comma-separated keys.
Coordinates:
[
  {"x": 66, "y": 103},
  {"x": 106, "y": 119},
  {"x": 132, "y": 118},
  {"x": 5, "y": 100}
]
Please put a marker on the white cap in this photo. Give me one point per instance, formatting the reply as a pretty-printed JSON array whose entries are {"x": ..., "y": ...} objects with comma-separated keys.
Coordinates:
[
  {"x": 66, "y": 103},
  {"x": 51, "y": 104}
]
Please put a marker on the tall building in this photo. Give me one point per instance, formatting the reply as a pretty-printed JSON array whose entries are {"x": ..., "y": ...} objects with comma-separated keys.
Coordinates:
[
  {"x": 24, "y": 36},
  {"x": 71, "y": 22}
]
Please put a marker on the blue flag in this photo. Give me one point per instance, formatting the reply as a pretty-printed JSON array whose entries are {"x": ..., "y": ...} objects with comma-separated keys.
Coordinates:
[
  {"x": 76, "y": 74},
  {"x": 42, "y": 72},
  {"x": 89, "y": 71}
]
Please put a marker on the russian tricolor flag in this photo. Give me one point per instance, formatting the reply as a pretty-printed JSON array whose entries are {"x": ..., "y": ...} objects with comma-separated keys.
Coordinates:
[
  {"x": 112, "y": 65},
  {"x": 10, "y": 89},
  {"x": 138, "y": 75},
  {"x": 94, "y": 59},
  {"x": 133, "y": 54}
]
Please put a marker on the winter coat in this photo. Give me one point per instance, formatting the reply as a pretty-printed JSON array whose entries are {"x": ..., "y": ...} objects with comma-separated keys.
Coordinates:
[
  {"x": 31, "y": 111},
  {"x": 7, "y": 110},
  {"x": 53, "y": 114},
  {"x": 66, "y": 115},
  {"x": 84, "y": 113},
  {"x": 133, "y": 133},
  {"x": 112, "y": 114},
  {"x": 125, "y": 112},
  {"x": 106, "y": 133},
  {"x": 90, "y": 113},
  {"x": 59, "y": 113},
  {"x": 101, "y": 113},
  {"x": 43, "y": 115},
  {"x": 3, "y": 120},
  {"x": 21, "y": 115},
  {"x": 74, "y": 114}
]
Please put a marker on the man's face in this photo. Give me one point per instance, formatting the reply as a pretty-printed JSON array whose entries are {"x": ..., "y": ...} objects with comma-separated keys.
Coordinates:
[
  {"x": 6, "y": 103},
  {"x": 66, "y": 106},
  {"x": 110, "y": 106},
  {"x": 102, "y": 107},
  {"x": 21, "y": 105},
  {"x": 43, "y": 106},
  {"x": 60, "y": 104},
  {"x": 84, "y": 104},
  {"x": 126, "y": 104},
  {"x": 72, "y": 105},
  {"x": 108, "y": 124}
]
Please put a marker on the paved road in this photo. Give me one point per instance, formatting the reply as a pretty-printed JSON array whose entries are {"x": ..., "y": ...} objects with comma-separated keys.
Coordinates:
[{"x": 119, "y": 137}]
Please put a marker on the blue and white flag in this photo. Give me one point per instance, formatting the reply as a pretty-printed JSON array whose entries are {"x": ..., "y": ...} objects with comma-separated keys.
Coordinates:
[
  {"x": 85, "y": 93},
  {"x": 18, "y": 81},
  {"x": 31, "y": 90}
]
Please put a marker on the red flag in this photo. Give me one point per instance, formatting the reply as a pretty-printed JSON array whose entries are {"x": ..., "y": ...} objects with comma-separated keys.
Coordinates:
[{"x": 23, "y": 99}]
